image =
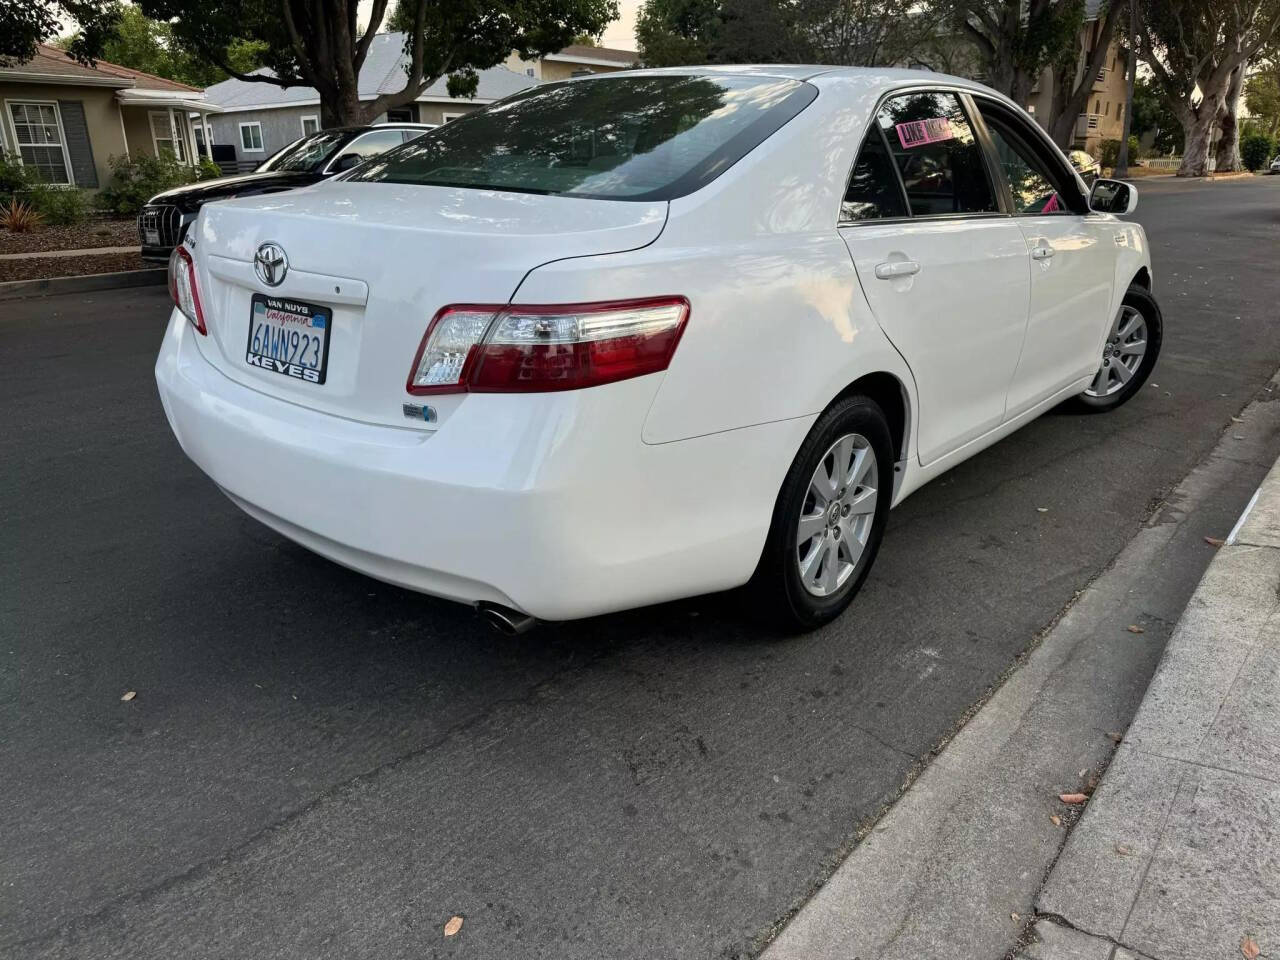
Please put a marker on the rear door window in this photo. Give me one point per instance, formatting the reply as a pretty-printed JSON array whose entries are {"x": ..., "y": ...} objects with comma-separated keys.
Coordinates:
[
  {"x": 935, "y": 150},
  {"x": 874, "y": 191}
]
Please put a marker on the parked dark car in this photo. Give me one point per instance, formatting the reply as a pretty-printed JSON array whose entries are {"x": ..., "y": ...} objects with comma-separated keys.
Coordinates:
[{"x": 164, "y": 220}]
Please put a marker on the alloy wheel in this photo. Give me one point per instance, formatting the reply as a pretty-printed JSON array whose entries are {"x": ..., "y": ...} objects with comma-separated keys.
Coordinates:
[
  {"x": 837, "y": 515},
  {"x": 1122, "y": 354}
]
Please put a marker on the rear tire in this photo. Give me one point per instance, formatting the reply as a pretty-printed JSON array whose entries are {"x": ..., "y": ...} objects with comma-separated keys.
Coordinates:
[
  {"x": 834, "y": 503},
  {"x": 1138, "y": 324}
]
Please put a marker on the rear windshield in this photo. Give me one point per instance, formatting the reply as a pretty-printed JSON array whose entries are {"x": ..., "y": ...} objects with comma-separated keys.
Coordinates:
[
  {"x": 308, "y": 153},
  {"x": 618, "y": 138}
]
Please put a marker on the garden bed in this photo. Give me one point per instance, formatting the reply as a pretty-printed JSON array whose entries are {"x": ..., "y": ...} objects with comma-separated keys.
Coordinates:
[
  {"x": 95, "y": 232},
  {"x": 43, "y": 268}
]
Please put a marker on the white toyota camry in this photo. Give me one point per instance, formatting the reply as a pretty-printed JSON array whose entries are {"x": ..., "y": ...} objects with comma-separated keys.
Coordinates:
[{"x": 634, "y": 337}]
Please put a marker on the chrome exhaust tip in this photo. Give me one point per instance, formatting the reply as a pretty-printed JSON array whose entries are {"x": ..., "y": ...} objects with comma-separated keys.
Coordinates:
[{"x": 505, "y": 620}]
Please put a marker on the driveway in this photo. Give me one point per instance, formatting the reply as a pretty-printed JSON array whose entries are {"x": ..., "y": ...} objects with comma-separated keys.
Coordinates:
[{"x": 319, "y": 765}]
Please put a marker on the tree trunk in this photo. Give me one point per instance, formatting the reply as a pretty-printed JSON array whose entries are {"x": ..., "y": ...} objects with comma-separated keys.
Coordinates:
[
  {"x": 1130, "y": 72},
  {"x": 1198, "y": 136},
  {"x": 1228, "y": 155}
]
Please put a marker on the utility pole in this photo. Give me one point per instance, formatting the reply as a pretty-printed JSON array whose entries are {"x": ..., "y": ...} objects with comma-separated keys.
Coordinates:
[{"x": 1122, "y": 160}]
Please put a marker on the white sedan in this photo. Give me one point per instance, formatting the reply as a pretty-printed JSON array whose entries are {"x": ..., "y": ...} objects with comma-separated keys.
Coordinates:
[{"x": 641, "y": 336}]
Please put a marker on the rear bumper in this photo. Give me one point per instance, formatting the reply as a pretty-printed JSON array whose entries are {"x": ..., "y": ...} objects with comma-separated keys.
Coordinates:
[{"x": 549, "y": 503}]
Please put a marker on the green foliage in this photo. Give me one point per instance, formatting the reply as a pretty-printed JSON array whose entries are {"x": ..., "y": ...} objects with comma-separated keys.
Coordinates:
[
  {"x": 677, "y": 32},
  {"x": 60, "y": 206},
  {"x": 1262, "y": 96},
  {"x": 208, "y": 170},
  {"x": 135, "y": 180},
  {"x": 25, "y": 23},
  {"x": 15, "y": 179},
  {"x": 1255, "y": 150},
  {"x": 1151, "y": 114},
  {"x": 458, "y": 38},
  {"x": 1109, "y": 151},
  {"x": 140, "y": 43}
]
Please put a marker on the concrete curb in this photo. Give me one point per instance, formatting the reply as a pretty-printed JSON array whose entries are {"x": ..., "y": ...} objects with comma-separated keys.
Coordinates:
[
  {"x": 20, "y": 289},
  {"x": 1177, "y": 853}
]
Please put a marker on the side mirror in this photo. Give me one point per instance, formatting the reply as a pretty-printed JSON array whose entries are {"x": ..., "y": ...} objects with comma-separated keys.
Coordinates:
[
  {"x": 1113, "y": 196},
  {"x": 347, "y": 161}
]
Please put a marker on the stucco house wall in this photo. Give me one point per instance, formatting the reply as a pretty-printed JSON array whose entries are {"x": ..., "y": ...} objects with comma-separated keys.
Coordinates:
[{"x": 91, "y": 149}]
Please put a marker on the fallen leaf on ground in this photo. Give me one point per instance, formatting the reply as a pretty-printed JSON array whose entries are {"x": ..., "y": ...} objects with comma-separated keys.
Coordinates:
[
  {"x": 453, "y": 926},
  {"x": 1249, "y": 947},
  {"x": 1214, "y": 541},
  {"x": 1056, "y": 820},
  {"x": 1134, "y": 628},
  {"x": 1013, "y": 917},
  {"x": 1072, "y": 797},
  {"x": 1115, "y": 737},
  {"x": 129, "y": 695},
  {"x": 1123, "y": 850},
  {"x": 1236, "y": 420},
  {"x": 1042, "y": 509}
]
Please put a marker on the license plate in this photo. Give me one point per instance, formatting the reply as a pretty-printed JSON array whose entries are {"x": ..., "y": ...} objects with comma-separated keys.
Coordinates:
[
  {"x": 152, "y": 237},
  {"x": 289, "y": 337}
]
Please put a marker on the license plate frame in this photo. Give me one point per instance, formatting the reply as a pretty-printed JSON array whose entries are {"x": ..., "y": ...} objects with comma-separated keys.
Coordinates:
[{"x": 280, "y": 354}]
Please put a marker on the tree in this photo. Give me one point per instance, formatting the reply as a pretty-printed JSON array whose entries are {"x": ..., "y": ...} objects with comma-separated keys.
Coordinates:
[
  {"x": 318, "y": 43},
  {"x": 1017, "y": 39},
  {"x": 25, "y": 23},
  {"x": 1130, "y": 76},
  {"x": 1193, "y": 47},
  {"x": 1227, "y": 157},
  {"x": 1262, "y": 96},
  {"x": 1072, "y": 88},
  {"x": 140, "y": 43},
  {"x": 1152, "y": 117},
  {"x": 847, "y": 32}
]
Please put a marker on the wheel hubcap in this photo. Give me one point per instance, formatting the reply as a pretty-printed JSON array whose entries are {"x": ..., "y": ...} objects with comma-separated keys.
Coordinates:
[
  {"x": 1122, "y": 354},
  {"x": 837, "y": 514}
]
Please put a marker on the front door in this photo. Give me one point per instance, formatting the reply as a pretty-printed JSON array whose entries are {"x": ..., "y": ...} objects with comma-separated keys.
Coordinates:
[
  {"x": 1072, "y": 253},
  {"x": 944, "y": 272}
]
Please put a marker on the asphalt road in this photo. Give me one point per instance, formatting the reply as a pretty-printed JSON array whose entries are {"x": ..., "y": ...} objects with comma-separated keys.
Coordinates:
[{"x": 318, "y": 765}]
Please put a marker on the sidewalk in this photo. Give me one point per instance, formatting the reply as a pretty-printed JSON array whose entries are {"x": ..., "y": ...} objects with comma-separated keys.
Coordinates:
[
  {"x": 1177, "y": 856},
  {"x": 977, "y": 860},
  {"x": 87, "y": 252}
]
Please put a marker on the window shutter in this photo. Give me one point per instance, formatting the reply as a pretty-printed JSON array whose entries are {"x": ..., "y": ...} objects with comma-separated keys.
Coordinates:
[{"x": 76, "y": 130}]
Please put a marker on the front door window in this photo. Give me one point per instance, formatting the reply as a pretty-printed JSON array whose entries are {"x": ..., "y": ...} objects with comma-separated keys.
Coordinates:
[{"x": 167, "y": 141}]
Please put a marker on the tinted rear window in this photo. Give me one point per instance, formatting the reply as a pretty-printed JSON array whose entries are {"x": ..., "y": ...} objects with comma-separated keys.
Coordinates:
[{"x": 616, "y": 138}]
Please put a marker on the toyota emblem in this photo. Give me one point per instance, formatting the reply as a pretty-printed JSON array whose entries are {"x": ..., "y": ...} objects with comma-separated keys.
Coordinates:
[{"x": 271, "y": 264}]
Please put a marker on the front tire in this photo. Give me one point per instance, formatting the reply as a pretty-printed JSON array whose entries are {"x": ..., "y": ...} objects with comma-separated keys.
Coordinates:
[
  {"x": 829, "y": 517},
  {"x": 1129, "y": 354}
]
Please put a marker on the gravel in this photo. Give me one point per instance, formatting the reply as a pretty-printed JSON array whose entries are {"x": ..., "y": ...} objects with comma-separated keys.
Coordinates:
[
  {"x": 98, "y": 232},
  {"x": 40, "y": 268}
]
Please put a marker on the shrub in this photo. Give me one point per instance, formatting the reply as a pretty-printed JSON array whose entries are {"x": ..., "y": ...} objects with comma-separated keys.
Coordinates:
[
  {"x": 19, "y": 217},
  {"x": 1109, "y": 151},
  {"x": 208, "y": 170},
  {"x": 14, "y": 178},
  {"x": 1256, "y": 150},
  {"x": 135, "y": 180},
  {"x": 61, "y": 206}
]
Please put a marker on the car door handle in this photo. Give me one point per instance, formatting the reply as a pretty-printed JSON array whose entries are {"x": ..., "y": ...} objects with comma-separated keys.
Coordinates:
[
  {"x": 1041, "y": 253},
  {"x": 896, "y": 268}
]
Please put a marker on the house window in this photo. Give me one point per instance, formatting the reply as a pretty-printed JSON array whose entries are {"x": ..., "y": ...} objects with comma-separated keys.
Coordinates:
[
  {"x": 37, "y": 135},
  {"x": 310, "y": 125},
  {"x": 446, "y": 117},
  {"x": 1097, "y": 106},
  {"x": 528, "y": 71},
  {"x": 203, "y": 135},
  {"x": 162, "y": 136},
  {"x": 251, "y": 137}
]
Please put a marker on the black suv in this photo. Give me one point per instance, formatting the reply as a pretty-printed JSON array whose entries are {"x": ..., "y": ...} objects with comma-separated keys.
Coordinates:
[{"x": 164, "y": 220}]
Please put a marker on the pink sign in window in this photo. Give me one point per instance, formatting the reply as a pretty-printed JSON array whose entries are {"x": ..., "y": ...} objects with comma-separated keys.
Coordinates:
[{"x": 917, "y": 133}]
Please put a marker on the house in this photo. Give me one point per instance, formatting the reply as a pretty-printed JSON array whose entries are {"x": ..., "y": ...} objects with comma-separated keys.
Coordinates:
[
  {"x": 1103, "y": 117},
  {"x": 260, "y": 118},
  {"x": 68, "y": 120},
  {"x": 575, "y": 60}
]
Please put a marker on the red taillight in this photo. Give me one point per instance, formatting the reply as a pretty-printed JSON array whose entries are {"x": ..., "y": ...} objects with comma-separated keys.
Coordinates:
[
  {"x": 182, "y": 288},
  {"x": 514, "y": 348}
]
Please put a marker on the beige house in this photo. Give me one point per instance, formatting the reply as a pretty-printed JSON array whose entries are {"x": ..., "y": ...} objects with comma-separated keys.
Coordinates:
[
  {"x": 67, "y": 120},
  {"x": 575, "y": 60},
  {"x": 1103, "y": 117}
]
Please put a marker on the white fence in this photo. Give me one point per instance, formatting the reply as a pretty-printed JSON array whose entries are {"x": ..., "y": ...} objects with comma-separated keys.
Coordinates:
[{"x": 1171, "y": 163}]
